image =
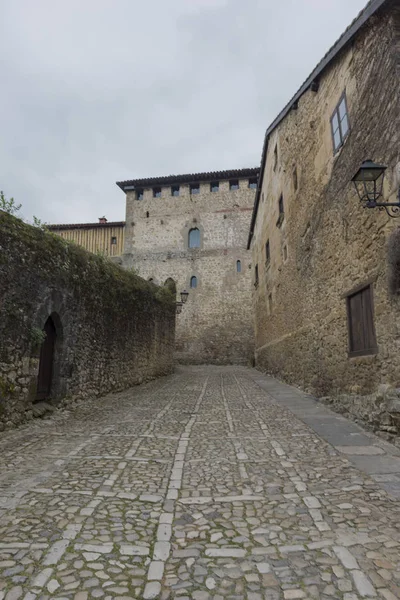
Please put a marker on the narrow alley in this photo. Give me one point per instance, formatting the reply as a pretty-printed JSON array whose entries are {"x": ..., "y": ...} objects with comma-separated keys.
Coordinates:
[{"x": 215, "y": 483}]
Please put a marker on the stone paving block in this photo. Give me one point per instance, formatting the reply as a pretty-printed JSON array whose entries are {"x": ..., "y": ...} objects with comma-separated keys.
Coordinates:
[{"x": 208, "y": 488}]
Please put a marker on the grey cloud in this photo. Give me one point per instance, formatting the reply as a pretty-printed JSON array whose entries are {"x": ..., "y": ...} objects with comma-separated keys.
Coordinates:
[{"x": 102, "y": 90}]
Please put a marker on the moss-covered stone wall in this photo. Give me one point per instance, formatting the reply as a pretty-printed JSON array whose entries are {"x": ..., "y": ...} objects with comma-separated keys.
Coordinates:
[{"x": 113, "y": 329}]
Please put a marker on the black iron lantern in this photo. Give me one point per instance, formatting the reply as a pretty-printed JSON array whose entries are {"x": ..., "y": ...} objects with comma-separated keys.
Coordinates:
[
  {"x": 184, "y": 296},
  {"x": 179, "y": 308},
  {"x": 368, "y": 182}
]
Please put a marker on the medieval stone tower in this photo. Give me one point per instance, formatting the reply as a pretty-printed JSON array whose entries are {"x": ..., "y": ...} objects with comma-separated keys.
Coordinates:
[{"x": 193, "y": 229}]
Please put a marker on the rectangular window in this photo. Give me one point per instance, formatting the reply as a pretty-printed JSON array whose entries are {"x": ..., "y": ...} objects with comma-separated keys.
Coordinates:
[
  {"x": 256, "y": 276},
  {"x": 157, "y": 192},
  {"x": 285, "y": 253},
  {"x": 139, "y": 194},
  {"x": 195, "y": 188},
  {"x": 270, "y": 303},
  {"x": 360, "y": 315},
  {"x": 175, "y": 190},
  {"x": 253, "y": 183},
  {"x": 113, "y": 241},
  {"x": 234, "y": 184},
  {"x": 340, "y": 124},
  {"x": 275, "y": 156},
  {"x": 214, "y": 186},
  {"x": 281, "y": 211},
  {"x": 267, "y": 253}
]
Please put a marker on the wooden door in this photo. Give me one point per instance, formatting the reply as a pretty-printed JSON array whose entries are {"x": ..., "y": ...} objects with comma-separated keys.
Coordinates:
[{"x": 46, "y": 361}]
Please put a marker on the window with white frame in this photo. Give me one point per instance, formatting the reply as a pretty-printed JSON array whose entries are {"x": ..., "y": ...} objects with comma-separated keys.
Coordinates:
[{"x": 340, "y": 125}]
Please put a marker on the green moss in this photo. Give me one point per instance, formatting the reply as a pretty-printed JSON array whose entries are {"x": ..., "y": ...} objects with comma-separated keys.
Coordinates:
[
  {"x": 7, "y": 389},
  {"x": 62, "y": 262}
]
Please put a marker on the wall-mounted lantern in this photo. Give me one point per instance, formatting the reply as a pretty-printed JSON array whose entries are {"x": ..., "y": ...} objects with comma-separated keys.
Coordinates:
[
  {"x": 179, "y": 305},
  {"x": 368, "y": 182}
]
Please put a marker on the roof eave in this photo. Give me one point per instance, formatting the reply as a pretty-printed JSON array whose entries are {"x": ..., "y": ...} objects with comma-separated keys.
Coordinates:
[{"x": 345, "y": 38}]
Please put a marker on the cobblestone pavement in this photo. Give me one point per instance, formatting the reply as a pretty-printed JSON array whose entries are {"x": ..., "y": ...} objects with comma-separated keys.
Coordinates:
[{"x": 202, "y": 486}]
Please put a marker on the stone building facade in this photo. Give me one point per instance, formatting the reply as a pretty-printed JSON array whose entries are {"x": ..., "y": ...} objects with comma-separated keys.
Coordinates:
[
  {"x": 325, "y": 317},
  {"x": 105, "y": 237},
  {"x": 193, "y": 229},
  {"x": 73, "y": 326}
]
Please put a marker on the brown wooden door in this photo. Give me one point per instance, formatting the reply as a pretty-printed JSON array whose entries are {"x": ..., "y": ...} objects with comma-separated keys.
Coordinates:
[{"x": 46, "y": 361}]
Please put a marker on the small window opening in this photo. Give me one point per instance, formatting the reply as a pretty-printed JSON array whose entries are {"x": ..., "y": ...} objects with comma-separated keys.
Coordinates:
[
  {"x": 234, "y": 184},
  {"x": 238, "y": 266},
  {"x": 157, "y": 192},
  {"x": 275, "y": 157},
  {"x": 281, "y": 212},
  {"x": 147, "y": 214},
  {"x": 194, "y": 238},
  {"x": 253, "y": 183},
  {"x": 267, "y": 252},
  {"x": 256, "y": 276},
  {"x": 113, "y": 241},
  {"x": 195, "y": 188},
  {"x": 285, "y": 253},
  {"x": 270, "y": 303},
  {"x": 295, "y": 179},
  {"x": 340, "y": 126},
  {"x": 193, "y": 282},
  {"x": 175, "y": 190},
  {"x": 139, "y": 194},
  {"x": 214, "y": 186},
  {"x": 150, "y": 279}
]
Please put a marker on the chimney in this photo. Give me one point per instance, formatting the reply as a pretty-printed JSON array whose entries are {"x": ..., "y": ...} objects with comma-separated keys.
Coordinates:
[{"x": 102, "y": 220}]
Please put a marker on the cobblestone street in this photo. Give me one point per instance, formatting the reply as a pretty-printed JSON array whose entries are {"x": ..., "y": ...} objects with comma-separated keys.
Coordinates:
[{"x": 214, "y": 483}]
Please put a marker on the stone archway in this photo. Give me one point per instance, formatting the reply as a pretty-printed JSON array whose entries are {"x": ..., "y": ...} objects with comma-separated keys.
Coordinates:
[
  {"x": 47, "y": 359},
  {"x": 171, "y": 285}
]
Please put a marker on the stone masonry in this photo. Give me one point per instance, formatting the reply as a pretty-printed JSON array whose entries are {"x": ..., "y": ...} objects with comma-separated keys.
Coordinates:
[
  {"x": 112, "y": 329},
  {"x": 215, "y": 483},
  {"x": 325, "y": 246},
  {"x": 216, "y": 324}
]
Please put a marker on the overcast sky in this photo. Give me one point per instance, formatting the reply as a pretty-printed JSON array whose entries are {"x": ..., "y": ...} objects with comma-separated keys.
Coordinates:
[{"x": 95, "y": 91}]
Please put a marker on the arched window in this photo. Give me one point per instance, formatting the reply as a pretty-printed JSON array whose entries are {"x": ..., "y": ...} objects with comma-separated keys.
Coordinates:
[
  {"x": 238, "y": 266},
  {"x": 193, "y": 282},
  {"x": 194, "y": 238},
  {"x": 171, "y": 285}
]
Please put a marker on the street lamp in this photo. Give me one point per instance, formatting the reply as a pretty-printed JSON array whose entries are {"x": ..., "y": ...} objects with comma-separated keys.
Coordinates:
[
  {"x": 184, "y": 296},
  {"x": 368, "y": 182},
  {"x": 179, "y": 308}
]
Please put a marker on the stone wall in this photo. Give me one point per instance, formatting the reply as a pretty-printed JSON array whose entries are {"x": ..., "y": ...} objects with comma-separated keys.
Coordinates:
[
  {"x": 328, "y": 244},
  {"x": 113, "y": 329},
  {"x": 215, "y": 325}
]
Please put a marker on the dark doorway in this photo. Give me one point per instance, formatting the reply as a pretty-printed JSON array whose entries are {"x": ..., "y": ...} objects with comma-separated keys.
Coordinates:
[{"x": 46, "y": 361}]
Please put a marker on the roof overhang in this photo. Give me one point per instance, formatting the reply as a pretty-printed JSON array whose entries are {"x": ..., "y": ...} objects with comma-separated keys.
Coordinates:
[
  {"x": 133, "y": 184},
  {"x": 341, "y": 43}
]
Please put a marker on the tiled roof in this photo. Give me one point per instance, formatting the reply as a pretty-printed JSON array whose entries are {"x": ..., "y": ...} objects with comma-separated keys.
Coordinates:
[
  {"x": 371, "y": 7},
  {"x": 188, "y": 178},
  {"x": 86, "y": 225}
]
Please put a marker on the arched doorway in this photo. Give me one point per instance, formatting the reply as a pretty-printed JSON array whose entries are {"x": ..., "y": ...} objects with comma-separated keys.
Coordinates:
[{"x": 46, "y": 361}]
